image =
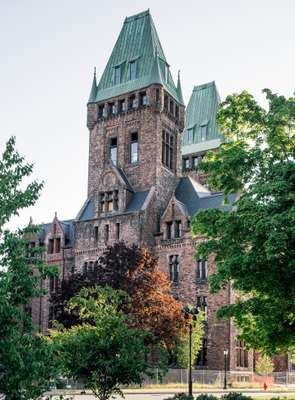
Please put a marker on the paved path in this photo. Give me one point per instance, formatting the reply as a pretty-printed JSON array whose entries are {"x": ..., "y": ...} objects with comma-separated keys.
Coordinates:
[{"x": 162, "y": 395}]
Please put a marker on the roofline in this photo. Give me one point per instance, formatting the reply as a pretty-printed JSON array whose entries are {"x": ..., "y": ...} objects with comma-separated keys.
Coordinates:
[
  {"x": 137, "y": 16},
  {"x": 203, "y": 86}
]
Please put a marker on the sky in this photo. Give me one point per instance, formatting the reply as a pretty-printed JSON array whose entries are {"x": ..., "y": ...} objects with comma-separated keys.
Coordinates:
[{"x": 48, "y": 50}]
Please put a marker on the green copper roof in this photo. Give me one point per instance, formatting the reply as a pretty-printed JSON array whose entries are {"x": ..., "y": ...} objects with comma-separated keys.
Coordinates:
[
  {"x": 179, "y": 90},
  {"x": 138, "y": 42},
  {"x": 201, "y": 130},
  {"x": 93, "y": 91}
]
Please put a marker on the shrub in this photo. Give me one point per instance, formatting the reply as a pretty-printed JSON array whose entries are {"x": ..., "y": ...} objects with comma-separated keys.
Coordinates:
[
  {"x": 235, "y": 396},
  {"x": 206, "y": 396},
  {"x": 180, "y": 396}
]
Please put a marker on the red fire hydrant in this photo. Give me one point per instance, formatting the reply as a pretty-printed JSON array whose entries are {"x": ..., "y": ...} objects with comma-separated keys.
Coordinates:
[{"x": 265, "y": 386}]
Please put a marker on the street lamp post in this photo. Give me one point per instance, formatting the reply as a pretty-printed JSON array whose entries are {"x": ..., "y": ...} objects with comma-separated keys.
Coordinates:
[
  {"x": 188, "y": 311},
  {"x": 225, "y": 353}
]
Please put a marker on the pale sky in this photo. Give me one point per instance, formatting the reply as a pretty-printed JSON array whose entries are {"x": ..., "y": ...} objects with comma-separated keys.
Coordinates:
[{"x": 49, "y": 48}]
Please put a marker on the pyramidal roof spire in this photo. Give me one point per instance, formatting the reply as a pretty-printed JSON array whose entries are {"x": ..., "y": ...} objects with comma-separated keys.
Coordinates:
[
  {"x": 179, "y": 90},
  {"x": 137, "y": 60},
  {"x": 93, "y": 91}
]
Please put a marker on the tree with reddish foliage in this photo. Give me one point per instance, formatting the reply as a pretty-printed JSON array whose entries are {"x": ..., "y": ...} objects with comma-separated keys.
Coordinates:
[{"x": 136, "y": 272}]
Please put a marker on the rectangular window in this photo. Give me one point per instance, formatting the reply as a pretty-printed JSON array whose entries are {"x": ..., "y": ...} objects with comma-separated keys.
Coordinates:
[
  {"x": 171, "y": 107},
  {"x": 143, "y": 99},
  {"x": 186, "y": 164},
  {"x": 116, "y": 200},
  {"x": 174, "y": 268},
  {"x": 100, "y": 111},
  {"x": 96, "y": 233},
  {"x": 106, "y": 232},
  {"x": 85, "y": 268},
  {"x": 113, "y": 150},
  {"x": 50, "y": 316},
  {"x": 166, "y": 102},
  {"x": 53, "y": 284},
  {"x": 168, "y": 150},
  {"x": 204, "y": 133},
  {"x": 202, "y": 270},
  {"x": 112, "y": 109},
  {"x": 134, "y": 148},
  {"x": 176, "y": 112},
  {"x": 50, "y": 246},
  {"x": 169, "y": 230},
  {"x": 132, "y": 102},
  {"x": 117, "y": 231},
  {"x": 57, "y": 245},
  {"x": 202, "y": 355},
  {"x": 241, "y": 354},
  {"x": 178, "y": 232},
  {"x": 190, "y": 136},
  {"x": 133, "y": 70},
  {"x": 110, "y": 202},
  {"x": 117, "y": 74},
  {"x": 157, "y": 96},
  {"x": 202, "y": 304},
  {"x": 122, "y": 106},
  {"x": 195, "y": 161}
]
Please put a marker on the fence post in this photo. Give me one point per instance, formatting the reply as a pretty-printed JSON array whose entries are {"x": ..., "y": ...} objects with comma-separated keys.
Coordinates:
[
  {"x": 181, "y": 380},
  {"x": 157, "y": 376}
]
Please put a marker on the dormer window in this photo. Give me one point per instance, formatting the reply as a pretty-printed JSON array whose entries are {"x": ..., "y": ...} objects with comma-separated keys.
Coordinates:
[
  {"x": 190, "y": 136},
  {"x": 178, "y": 230},
  {"x": 133, "y": 69},
  {"x": 57, "y": 245},
  {"x": 109, "y": 201},
  {"x": 166, "y": 72},
  {"x": 117, "y": 74},
  {"x": 204, "y": 133},
  {"x": 113, "y": 150},
  {"x": 169, "y": 230}
]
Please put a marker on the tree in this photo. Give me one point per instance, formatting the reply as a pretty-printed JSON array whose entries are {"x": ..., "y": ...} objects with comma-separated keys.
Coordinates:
[
  {"x": 26, "y": 360},
  {"x": 254, "y": 242},
  {"x": 264, "y": 365},
  {"x": 105, "y": 353},
  {"x": 197, "y": 335},
  {"x": 136, "y": 272}
]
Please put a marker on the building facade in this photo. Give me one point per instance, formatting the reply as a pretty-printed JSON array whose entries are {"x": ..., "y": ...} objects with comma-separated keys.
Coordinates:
[{"x": 142, "y": 184}]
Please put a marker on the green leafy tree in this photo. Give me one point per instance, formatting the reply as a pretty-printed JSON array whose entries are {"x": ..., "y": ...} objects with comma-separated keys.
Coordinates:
[
  {"x": 103, "y": 351},
  {"x": 264, "y": 365},
  {"x": 26, "y": 360},
  {"x": 254, "y": 243},
  {"x": 197, "y": 336}
]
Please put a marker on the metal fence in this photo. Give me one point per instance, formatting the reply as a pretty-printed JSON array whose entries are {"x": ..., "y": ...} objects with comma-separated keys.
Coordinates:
[{"x": 208, "y": 378}]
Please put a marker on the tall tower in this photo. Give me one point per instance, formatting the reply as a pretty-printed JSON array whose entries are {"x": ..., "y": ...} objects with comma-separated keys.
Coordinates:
[{"x": 135, "y": 116}]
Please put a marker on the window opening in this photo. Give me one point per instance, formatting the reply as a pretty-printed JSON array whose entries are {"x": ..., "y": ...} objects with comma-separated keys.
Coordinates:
[
  {"x": 134, "y": 148},
  {"x": 174, "y": 268},
  {"x": 114, "y": 149}
]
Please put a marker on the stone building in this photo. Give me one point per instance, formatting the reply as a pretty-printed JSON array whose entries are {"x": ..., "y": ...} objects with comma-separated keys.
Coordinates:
[{"x": 142, "y": 186}]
